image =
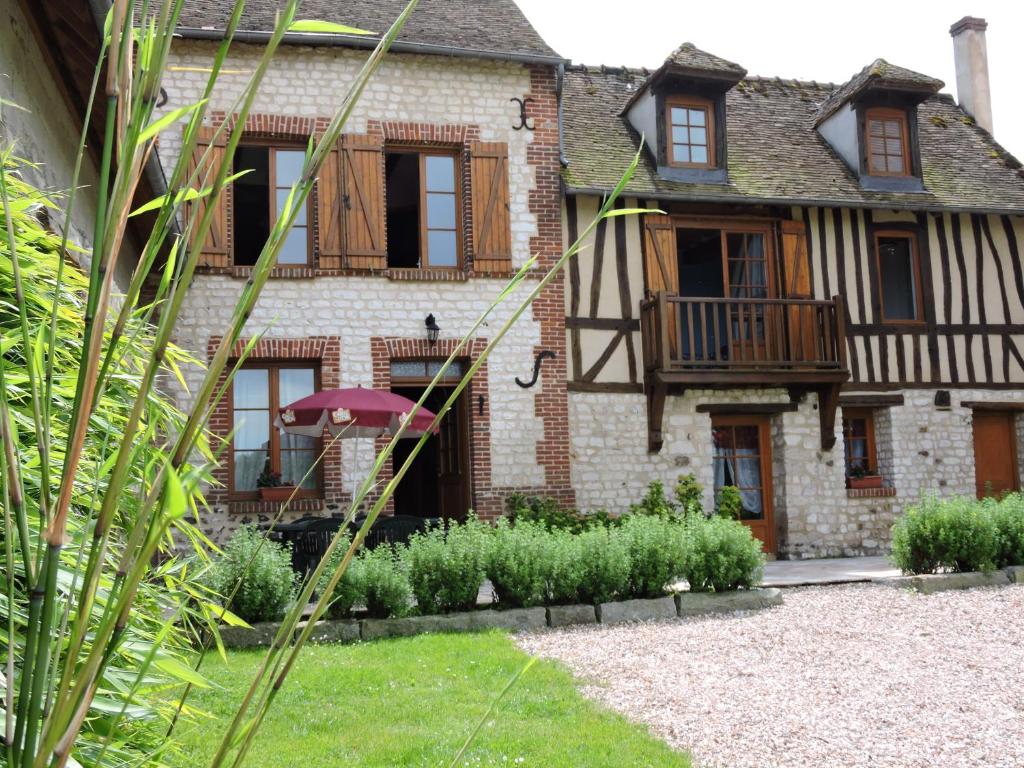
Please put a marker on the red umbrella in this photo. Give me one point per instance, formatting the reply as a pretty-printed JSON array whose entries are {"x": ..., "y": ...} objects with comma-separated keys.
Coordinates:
[{"x": 356, "y": 411}]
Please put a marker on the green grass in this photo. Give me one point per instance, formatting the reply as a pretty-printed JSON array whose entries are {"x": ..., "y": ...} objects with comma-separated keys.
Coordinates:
[{"x": 412, "y": 702}]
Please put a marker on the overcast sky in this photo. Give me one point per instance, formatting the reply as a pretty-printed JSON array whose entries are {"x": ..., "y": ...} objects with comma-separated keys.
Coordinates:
[{"x": 820, "y": 41}]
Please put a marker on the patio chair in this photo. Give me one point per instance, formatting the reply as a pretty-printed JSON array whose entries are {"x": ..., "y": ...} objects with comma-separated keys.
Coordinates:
[{"x": 396, "y": 529}]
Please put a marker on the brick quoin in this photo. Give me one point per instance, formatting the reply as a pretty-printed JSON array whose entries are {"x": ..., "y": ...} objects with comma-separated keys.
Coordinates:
[{"x": 551, "y": 402}]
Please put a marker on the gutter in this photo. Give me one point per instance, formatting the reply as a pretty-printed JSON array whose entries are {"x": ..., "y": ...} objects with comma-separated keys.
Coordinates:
[
  {"x": 800, "y": 201},
  {"x": 353, "y": 41},
  {"x": 559, "y": 84}
]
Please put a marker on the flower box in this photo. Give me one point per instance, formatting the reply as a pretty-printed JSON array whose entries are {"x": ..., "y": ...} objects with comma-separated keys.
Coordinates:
[
  {"x": 867, "y": 481},
  {"x": 277, "y": 493}
]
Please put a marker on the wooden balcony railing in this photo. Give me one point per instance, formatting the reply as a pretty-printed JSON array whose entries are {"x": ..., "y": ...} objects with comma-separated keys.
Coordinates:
[{"x": 743, "y": 340}]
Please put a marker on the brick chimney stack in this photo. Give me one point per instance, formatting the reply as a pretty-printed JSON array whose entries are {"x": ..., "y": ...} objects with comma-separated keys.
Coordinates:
[{"x": 971, "y": 56}]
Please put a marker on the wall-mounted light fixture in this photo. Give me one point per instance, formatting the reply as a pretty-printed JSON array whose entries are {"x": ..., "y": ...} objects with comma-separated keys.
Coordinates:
[{"x": 433, "y": 330}]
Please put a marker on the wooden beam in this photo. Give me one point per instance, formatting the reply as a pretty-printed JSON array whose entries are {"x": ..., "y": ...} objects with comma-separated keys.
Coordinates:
[
  {"x": 655, "y": 415},
  {"x": 604, "y": 386},
  {"x": 603, "y": 323},
  {"x": 828, "y": 404},
  {"x": 978, "y": 405},
  {"x": 870, "y": 401},
  {"x": 746, "y": 409}
]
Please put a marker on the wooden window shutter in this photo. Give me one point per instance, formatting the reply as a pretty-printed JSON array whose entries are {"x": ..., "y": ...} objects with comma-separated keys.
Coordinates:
[
  {"x": 330, "y": 210},
  {"x": 492, "y": 228},
  {"x": 216, "y": 250},
  {"x": 796, "y": 276},
  {"x": 365, "y": 245},
  {"x": 661, "y": 266}
]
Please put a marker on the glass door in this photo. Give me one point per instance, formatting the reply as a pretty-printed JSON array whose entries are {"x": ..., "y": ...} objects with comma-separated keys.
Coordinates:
[
  {"x": 747, "y": 277},
  {"x": 742, "y": 459}
]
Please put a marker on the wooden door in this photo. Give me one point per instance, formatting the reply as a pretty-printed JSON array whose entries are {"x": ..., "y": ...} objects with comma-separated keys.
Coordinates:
[
  {"x": 995, "y": 453},
  {"x": 453, "y": 462},
  {"x": 748, "y": 275},
  {"x": 743, "y": 458}
]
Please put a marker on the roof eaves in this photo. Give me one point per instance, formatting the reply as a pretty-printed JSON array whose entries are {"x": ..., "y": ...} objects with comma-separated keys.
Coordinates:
[{"x": 352, "y": 41}]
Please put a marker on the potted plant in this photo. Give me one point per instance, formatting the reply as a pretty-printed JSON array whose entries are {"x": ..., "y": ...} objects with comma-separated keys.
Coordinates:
[
  {"x": 862, "y": 477},
  {"x": 272, "y": 488}
]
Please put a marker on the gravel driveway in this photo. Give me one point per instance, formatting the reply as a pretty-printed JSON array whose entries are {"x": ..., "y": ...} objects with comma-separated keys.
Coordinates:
[{"x": 847, "y": 676}]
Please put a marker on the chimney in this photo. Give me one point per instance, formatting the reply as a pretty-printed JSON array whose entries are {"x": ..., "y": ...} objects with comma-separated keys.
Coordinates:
[{"x": 971, "y": 57}]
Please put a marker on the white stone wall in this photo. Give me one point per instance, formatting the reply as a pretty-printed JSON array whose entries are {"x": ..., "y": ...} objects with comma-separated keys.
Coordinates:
[
  {"x": 46, "y": 133},
  {"x": 310, "y": 82},
  {"x": 921, "y": 450}
]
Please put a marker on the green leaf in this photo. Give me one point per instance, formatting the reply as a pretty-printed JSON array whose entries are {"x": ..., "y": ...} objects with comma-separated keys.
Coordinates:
[
  {"x": 326, "y": 27},
  {"x": 182, "y": 671},
  {"x": 156, "y": 126},
  {"x": 175, "y": 504},
  {"x": 185, "y": 195},
  {"x": 631, "y": 211}
]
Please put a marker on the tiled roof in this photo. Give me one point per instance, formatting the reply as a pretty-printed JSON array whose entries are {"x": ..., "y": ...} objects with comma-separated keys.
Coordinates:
[
  {"x": 878, "y": 74},
  {"x": 777, "y": 156},
  {"x": 494, "y": 27},
  {"x": 690, "y": 57}
]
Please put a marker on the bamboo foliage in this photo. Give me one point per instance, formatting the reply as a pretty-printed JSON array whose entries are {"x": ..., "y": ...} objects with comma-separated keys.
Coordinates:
[{"x": 97, "y": 467}]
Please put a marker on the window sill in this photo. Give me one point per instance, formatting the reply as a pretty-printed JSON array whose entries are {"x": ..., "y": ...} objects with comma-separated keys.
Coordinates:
[
  {"x": 397, "y": 275},
  {"x": 259, "y": 506},
  {"x": 870, "y": 493},
  {"x": 428, "y": 275}
]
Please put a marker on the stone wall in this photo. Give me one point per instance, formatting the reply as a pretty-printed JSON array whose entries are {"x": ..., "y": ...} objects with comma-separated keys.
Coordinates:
[
  {"x": 921, "y": 450},
  {"x": 525, "y": 429}
]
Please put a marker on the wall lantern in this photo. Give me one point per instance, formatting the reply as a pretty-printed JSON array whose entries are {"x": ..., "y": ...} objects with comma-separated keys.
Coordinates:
[{"x": 433, "y": 330}]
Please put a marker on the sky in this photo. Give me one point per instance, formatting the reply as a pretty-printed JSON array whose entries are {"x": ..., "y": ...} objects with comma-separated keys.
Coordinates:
[{"x": 823, "y": 41}]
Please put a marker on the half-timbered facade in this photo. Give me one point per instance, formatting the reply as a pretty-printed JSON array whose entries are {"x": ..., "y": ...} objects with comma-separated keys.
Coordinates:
[
  {"x": 828, "y": 313},
  {"x": 444, "y": 184}
]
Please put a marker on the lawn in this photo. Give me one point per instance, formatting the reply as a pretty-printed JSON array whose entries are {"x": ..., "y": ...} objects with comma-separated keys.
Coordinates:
[{"x": 412, "y": 702}]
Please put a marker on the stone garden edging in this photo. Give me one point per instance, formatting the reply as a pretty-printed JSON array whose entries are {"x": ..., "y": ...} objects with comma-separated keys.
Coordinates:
[
  {"x": 930, "y": 583},
  {"x": 682, "y": 605}
]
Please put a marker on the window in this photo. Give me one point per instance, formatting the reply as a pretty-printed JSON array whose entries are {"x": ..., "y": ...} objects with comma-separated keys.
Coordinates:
[
  {"x": 859, "y": 441},
  {"x": 258, "y": 391},
  {"x": 899, "y": 276},
  {"x": 887, "y": 142},
  {"x": 690, "y": 132},
  {"x": 259, "y": 197},
  {"x": 422, "y": 212}
]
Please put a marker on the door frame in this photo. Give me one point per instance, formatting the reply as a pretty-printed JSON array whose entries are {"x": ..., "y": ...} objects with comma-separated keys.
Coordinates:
[
  {"x": 990, "y": 414},
  {"x": 765, "y": 527},
  {"x": 465, "y": 414}
]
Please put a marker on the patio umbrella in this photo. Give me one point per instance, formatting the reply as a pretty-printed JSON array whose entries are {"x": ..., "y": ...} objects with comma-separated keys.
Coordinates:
[{"x": 356, "y": 412}]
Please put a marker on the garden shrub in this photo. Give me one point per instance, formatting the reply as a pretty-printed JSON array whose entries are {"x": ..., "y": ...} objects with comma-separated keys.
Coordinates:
[
  {"x": 946, "y": 535},
  {"x": 604, "y": 565},
  {"x": 657, "y": 556},
  {"x": 689, "y": 495},
  {"x": 447, "y": 566},
  {"x": 349, "y": 591},
  {"x": 730, "y": 502},
  {"x": 655, "y": 502},
  {"x": 519, "y": 563},
  {"x": 381, "y": 580},
  {"x": 565, "y": 568},
  {"x": 721, "y": 555},
  {"x": 1008, "y": 517},
  {"x": 267, "y": 582},
  {"x": 544, "y": 511}
]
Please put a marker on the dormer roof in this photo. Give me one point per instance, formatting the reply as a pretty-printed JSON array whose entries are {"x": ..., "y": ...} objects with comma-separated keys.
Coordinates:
[
  {"x": 879, "y": 75},
  {"x": 689, "y": 61}
]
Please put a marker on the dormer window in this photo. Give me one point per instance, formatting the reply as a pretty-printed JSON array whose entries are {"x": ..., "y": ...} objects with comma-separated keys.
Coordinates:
[
  {"x": 691, "y": 132},
  {"x": 888, "y": 142}
]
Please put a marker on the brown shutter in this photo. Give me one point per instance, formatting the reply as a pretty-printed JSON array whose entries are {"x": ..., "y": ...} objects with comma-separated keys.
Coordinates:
[
  {"x": 216, "y": 250},
  {"x": 492, "y": 229},
  {"x": 796, "y": 276},
  {"x": 365, "y": 245},
  {"x": 661, "y": 266},
  {"x": 330, "y": 210}
]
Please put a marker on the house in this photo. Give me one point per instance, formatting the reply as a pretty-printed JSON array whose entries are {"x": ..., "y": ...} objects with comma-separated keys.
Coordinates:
[
  {"x": 834, "y": 289},
  {"x": 444, "y": 184}
]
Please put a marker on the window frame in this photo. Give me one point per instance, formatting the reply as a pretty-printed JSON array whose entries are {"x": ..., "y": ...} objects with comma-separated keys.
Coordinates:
[
  {"x": 422, "y": 151},
  {"x": 274, "y": 449},
  {"x": 915, "y": 258},
  {"x": 690, "y": 102},
  {"x": 871, "y": 450},
  {"x": 272, "y": 146},
  {"x": 884, "y": 114}
]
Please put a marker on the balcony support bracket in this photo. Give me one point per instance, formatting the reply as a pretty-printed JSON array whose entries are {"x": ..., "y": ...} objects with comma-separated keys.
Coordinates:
[
  {"x": 828, "y": 404},
  {"x": 656, "y": 392}
]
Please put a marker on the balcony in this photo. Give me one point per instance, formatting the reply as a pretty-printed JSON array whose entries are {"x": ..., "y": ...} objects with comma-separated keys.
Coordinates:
[{"x": 799, "y": 344}]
